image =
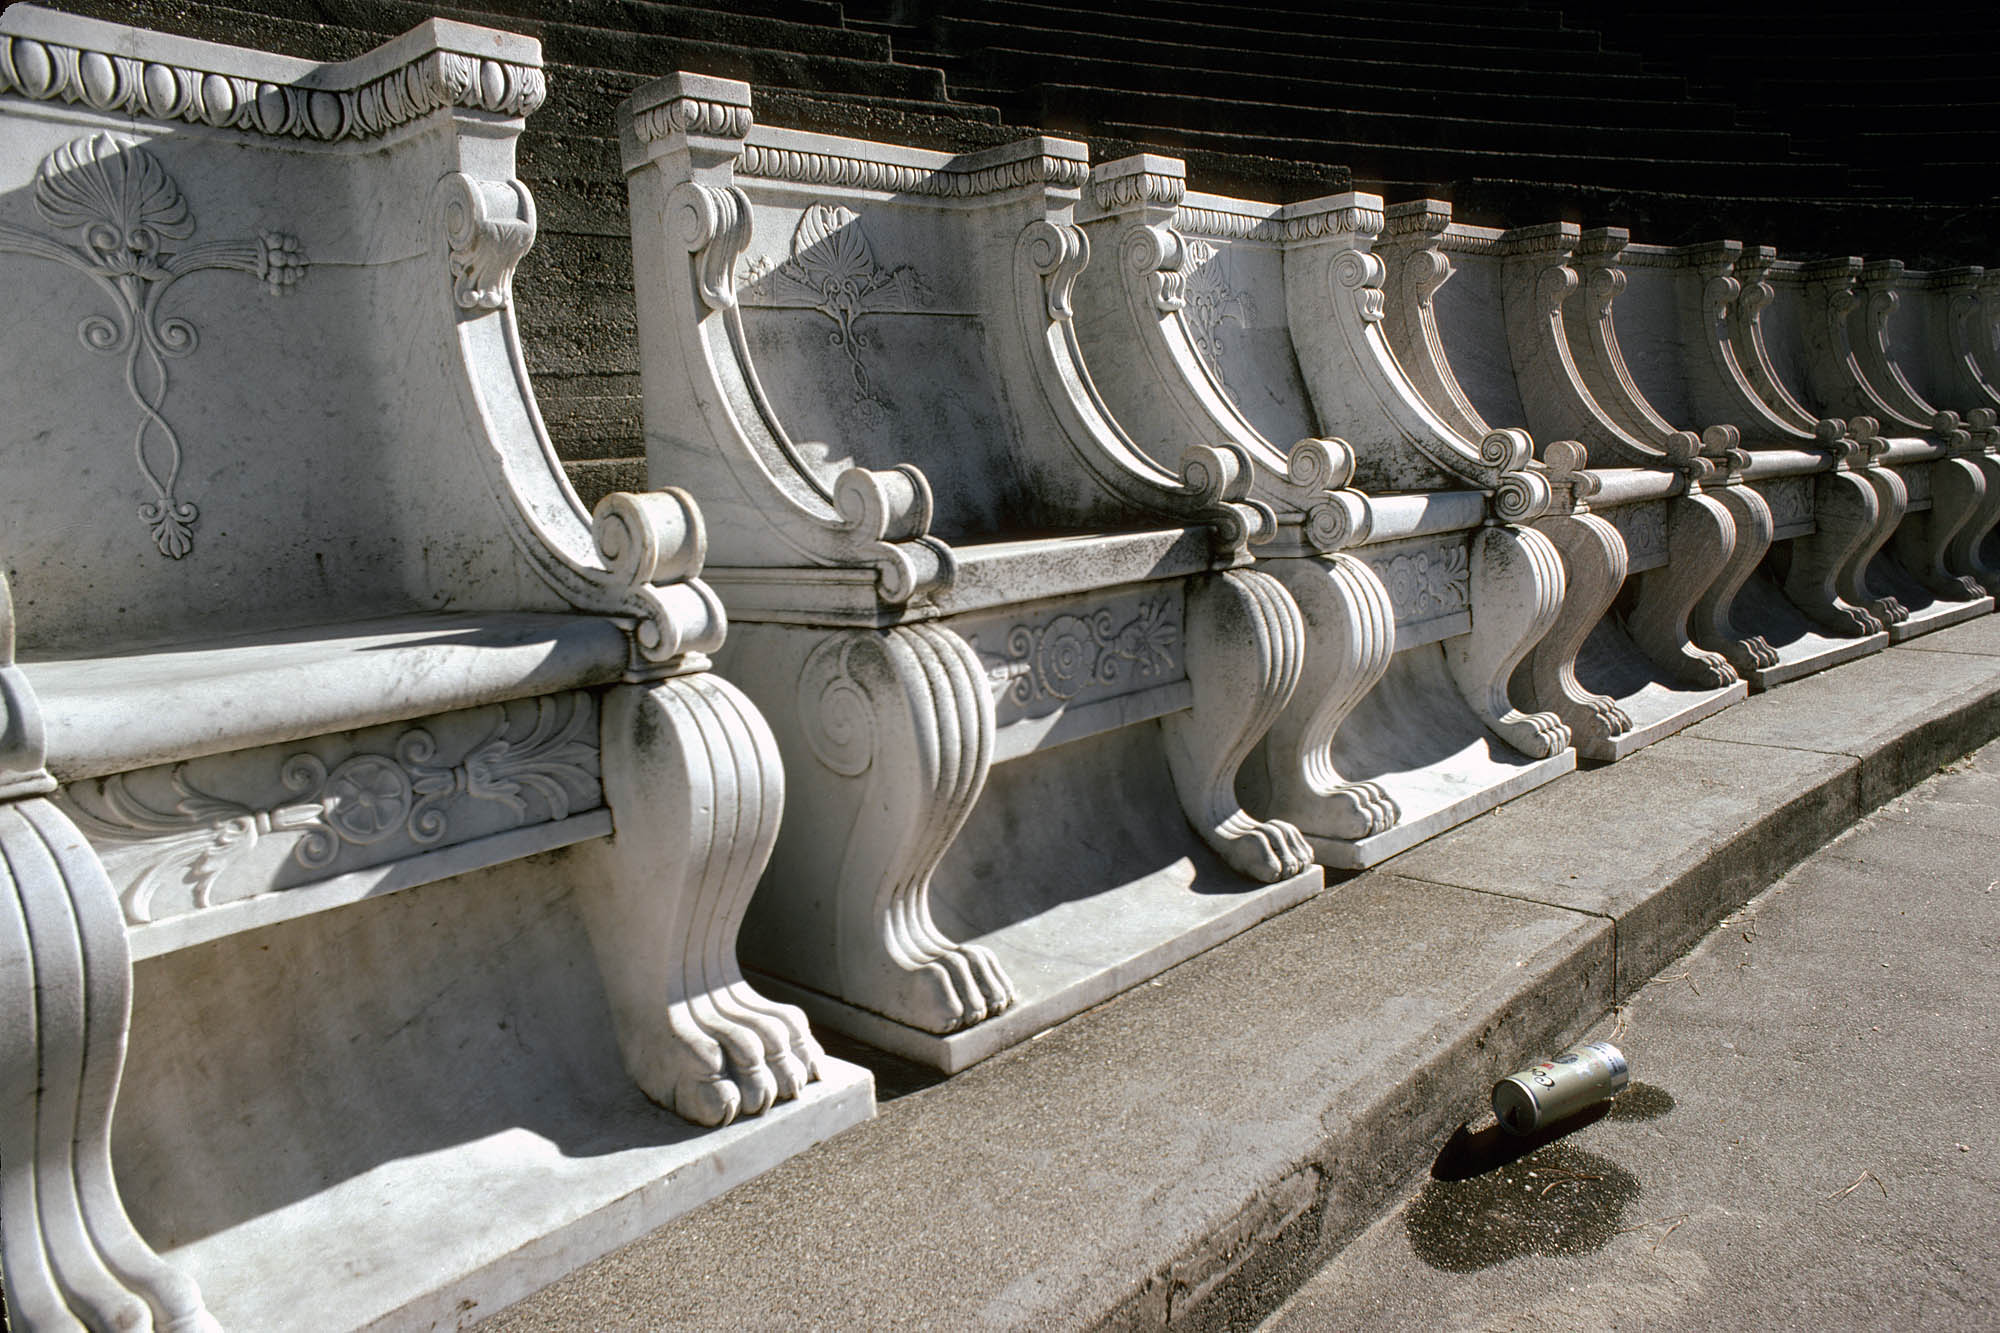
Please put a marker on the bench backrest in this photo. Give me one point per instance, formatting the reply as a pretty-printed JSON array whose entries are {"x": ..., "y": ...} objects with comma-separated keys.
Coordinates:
[{"x": 235, "y": 396}]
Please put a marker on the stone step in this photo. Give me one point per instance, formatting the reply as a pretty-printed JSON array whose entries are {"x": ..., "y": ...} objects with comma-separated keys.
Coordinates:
[
  {"x": 1372, "y": 160},
  {"x": 1004, "y": 68},
  {"x": 1308, "y": 11},
  {"x": 1055, "y": 25},
  {"x": 963, "y": 38},
  {"x": 1067, "y": 106},
  {"x": 1475, "y": 25},
  {"x": 1188, "y": 1153},
  {"x": 771, "y": 52}
]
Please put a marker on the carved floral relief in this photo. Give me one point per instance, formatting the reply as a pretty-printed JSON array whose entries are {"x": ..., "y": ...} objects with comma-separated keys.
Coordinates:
[
  {"x": 1426, "y": 584},
  {"x": 1210, "y": 302},
  {"x": 126, "y": 220},
  {"x": 1039, "y": 666},
  {"x": 167, "y": 832},
  {"x": 1644, "y": 528},
  {"x": 1791, "y": 502},
  {"x": 832, "y": 269}
]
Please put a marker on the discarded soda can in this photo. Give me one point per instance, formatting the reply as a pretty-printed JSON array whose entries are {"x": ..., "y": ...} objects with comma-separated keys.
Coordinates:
[{"x": 1542, "y": 1094}]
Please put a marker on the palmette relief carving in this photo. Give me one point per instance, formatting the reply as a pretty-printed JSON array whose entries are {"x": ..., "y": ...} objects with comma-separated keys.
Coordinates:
[
  {"x": 126, "y": 217},
  {"x": 1424, "y": 585},
  {"x": 1644, "y": 528},
  {"x": 160, "y": 830},
  {"x": 125, "y": 85},
  {"x": 1791, "y": 501},
  {"x": 1209, "y": 303},
  {"x": 1100, "y": 653},
  {"x": 832, "y": 269}
]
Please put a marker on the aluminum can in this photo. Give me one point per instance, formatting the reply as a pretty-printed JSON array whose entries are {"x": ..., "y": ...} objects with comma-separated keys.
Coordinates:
[{"x": 1542, "y": 1094}]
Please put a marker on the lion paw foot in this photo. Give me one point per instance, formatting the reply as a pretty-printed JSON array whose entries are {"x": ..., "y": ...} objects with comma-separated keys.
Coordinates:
[{"x": 1361, "y": 810}]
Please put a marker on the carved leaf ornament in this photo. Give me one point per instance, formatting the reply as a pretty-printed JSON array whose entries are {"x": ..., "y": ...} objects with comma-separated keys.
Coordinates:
[
  {"x": 1209, "y": 301},
  {"x": 1074, "y": 653},
  {"x": 126, "y": 218},
  {"x": 1421, "y": 583},
  {"x": 537, "y": 748},
  {"x": 832, "y": 269}
]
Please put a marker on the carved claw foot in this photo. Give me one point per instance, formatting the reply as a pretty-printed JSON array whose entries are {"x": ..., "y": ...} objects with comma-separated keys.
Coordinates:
[
  {"x": 1359, "y": 810},
  {"x": 1610, "y": 718},
  {"x": 956, "y": 987},
  {"x": 1759, "y": 651},
  {"x": 1266, "y": 850},
  {"x": 1537, "y": 735},
  {"x": 1704, "y": 670},
  {"x": 1889, "y": 610},
  {"x": 790, "y": 1051}
]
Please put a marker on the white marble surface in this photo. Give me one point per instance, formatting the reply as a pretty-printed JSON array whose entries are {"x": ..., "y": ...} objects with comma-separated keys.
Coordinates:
[{"x": 454, "y": 1126}]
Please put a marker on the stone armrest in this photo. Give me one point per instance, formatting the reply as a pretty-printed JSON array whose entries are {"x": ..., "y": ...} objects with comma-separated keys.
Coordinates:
[{"x": 113, "y": 714}]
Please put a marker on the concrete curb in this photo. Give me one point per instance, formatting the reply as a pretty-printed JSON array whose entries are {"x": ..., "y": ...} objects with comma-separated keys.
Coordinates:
[{"x": 1187, "y": 1154}]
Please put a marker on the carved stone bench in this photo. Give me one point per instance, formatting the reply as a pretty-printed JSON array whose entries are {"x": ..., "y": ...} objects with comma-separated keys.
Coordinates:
[
  {"x": 1013, "y": 663},
  {"x": 1821, "y": 339},
  {"x": 1939, "y": 333},
  {"x": 1486, "y": 325},
  {"x": 323, "y": 701},
  {"x": 1404, "y": 544},
  {"x": 1657, "y": 318}
]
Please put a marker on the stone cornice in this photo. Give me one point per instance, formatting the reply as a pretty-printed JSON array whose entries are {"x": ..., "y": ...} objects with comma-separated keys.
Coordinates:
[
  {"x": 946, "y": 181},
  {"x": 192, "y": 81}
]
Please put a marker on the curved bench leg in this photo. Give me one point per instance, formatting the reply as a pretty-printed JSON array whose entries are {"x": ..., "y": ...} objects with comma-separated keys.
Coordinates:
[
  {"x": 1847, "y": 515},
  {"x": 695, "y": 786},
  {"x": 1967, "y": 554},
  {"x": 1594, "y": 563},
  {"x": 1894, "y": 499},
  {"x": 901, "y": 725},
  {"x": 1517, "y": 592},
  {"x": 72, "y": 1258},
  {"x": 1350, "y": 631},
  {"x": 1958, "y": 490},
  {"x": 1713, "y": 622},
  {"x": 1700, "y": 539}
]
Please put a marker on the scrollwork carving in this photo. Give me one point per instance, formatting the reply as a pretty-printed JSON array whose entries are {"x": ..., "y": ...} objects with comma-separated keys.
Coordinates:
[
  {"x": 713, "y": 222},
  {"x": 1099, "y": 653},
  {"x": 538, "y": 761},
  {"x": 488, "y": 226},
  {"x": 1058, "y": 252},
  {"x": 127, "y": 216}
]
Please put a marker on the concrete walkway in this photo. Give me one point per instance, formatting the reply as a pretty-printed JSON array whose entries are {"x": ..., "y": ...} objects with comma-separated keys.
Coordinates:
[
  {"x": 1191, "y": 1152},
  {"x": 1810, "y": 1142}
]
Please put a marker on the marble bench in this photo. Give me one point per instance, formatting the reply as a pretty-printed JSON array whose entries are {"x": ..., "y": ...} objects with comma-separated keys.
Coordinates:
[
  {"x": 1013, "y": 663},
  {"x": 1939, "y": 331},
  {"x": 1816, "y": 333},
  {"x": 1648, "y": 523},
  {"x": 1405, "y": 545},
  {"x": 367, "y": 809}
]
